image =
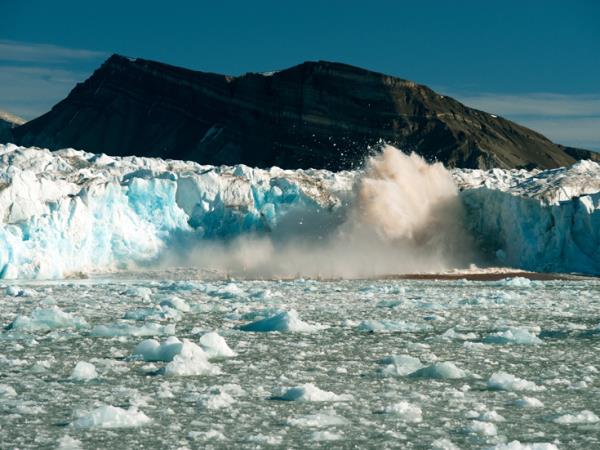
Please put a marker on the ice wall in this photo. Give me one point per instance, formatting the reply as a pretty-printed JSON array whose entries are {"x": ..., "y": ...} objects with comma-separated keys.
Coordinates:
[
  {"x": 542, "y": 221},
  {"x": 70, "y": 211}
]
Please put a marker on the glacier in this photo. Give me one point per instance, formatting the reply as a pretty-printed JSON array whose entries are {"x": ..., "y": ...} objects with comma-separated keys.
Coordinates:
[{"x": 69, "y": 211}]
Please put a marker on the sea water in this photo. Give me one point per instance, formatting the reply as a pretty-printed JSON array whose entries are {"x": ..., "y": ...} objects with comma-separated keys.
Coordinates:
[{"x": 299, "y": 363}]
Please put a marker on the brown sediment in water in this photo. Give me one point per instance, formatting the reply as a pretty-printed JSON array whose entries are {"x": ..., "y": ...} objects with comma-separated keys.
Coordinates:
[{"x": 487, "y": 276}]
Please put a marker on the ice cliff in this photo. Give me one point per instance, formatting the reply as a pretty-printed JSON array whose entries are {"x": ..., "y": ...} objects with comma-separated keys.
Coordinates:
[{"x": 70, "y": 211}]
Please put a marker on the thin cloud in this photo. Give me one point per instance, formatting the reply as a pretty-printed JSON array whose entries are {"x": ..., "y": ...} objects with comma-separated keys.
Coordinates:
[
  {"x": 33, "y": 90},
  {"x": 26, "y": 52},
  {"x": 572, "y": 120},
  {"x": 583, "y": 132},
  {"x": 535, "y": 104}
]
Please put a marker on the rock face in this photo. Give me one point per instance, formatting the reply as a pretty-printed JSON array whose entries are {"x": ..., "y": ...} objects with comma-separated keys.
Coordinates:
[
  {"x": 7, "y": 123},
  {"x": 318, "y": 114}
]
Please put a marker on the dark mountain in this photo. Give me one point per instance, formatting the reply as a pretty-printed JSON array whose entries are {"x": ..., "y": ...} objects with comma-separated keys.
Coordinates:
[
  {"x": 317, "y": 114},
  {"x": 7, "y": 123},
  {"x": 579, "y": 153}
]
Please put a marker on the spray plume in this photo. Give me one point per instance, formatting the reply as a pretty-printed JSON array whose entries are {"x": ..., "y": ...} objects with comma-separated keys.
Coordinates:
[{"x": 406, "y": 217}]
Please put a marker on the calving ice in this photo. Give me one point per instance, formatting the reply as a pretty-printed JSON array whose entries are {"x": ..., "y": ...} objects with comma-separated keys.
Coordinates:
[{"x": 70, "y": 211}]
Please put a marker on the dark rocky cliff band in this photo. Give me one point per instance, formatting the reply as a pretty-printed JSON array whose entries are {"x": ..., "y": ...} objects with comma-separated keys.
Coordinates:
[{"x": 317, "y": 114}]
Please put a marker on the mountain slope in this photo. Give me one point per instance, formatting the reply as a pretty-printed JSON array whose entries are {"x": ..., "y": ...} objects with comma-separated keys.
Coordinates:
[
  {"x": 316, "y": 114},
  {"x": 7, "y": 123}
]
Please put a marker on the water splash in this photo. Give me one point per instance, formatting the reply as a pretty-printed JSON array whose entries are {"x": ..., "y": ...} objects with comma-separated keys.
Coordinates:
[{"x": 405, "y": 217}]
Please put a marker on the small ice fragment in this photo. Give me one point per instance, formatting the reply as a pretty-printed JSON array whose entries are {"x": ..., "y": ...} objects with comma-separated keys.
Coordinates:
[
  {"x": 503, "y": 381},
  {"x": 440, "y": 370},
  {"x": 84, "y": 371},
  {"x": 45, "y": 319},
  {"x": 112, "y": 417},
  {"x": 68, "y": 443},
  {"x": 443, "y": 444},
  {"x": 529, "y": 402},
  {"x": 517, "y": 445},
  {"x": 326, "y": 435},
  {"x": 513, "y": 335},
  {"x": 405, "y": 411},
  {"x": 400, "y": 365},
  {"x": 215, "y": 346},
  {"x": 7, "y": 391},
  {"x": 177, "y": 303},
  {"x": 285, "y": 321},
  {"x": 482, "y": 428},
  {"x": 582, "y": 417},
  {"x": 308, "y": 393},
  {"x": 191, "y": 360}
]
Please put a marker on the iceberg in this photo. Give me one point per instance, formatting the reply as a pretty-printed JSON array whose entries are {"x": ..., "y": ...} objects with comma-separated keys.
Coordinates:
[{"x": 68, "y": 212}]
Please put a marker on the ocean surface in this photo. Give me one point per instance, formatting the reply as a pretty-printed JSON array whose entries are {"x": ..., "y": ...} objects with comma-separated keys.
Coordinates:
[{"x": 301, "y": 363}]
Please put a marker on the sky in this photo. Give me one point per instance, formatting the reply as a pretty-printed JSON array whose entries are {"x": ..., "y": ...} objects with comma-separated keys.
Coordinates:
[{"x": 535, "y": 62}]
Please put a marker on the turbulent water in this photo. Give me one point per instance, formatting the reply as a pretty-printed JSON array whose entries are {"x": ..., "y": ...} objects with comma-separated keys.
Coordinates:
[{"x": 380, "y": 364}]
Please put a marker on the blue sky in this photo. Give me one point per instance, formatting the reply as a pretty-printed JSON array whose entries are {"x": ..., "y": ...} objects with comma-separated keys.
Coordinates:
[{"x": 536, "y": 62}]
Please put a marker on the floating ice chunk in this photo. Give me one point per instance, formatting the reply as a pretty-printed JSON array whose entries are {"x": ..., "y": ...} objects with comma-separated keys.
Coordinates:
[
  {"x": 401, "y": 365},
  {"x": 285, "y": 321},
  {"x": 68, "y": 443},
  {"x": 321, "y": 419},
  {"x": 519, "y": 282},
  {"x": 513, "y": 335},
  {"x": 177, "y": 303},
  {"x": 84, "y": 371},
  {"x": 112, "y": 417},
  {"x": 45, "y": 319},
  {"x": 451, "y": 334},
  {"x": 7, "y": 391},
  {"x": 138, "y": 291},
  {"x": 443, "y": 444},
  {"x": 482, "y": 428},
  {"x": 144, "y": 313},
  {"x": 326, "y": 435},
  {"x": 216, "y": 399},
  {"x": 405, "y": 411},
  {"x": 229, "y": 291},
  {"x": 490, "y": 416},
  {"x": 529, "y": 402},
  {"x": 440, "y": 371},
  {"x": 265, "y": 439},
  {"x": 581, "y": 417},
  {"x": 152, "y": 350},
  {"x": 391, "y": 326},
  {"x": 124, "y": 329},
  {"x": 517, "y": 445},
  {"x": 207, "y": 435},
  {"x": 308, "y": 393},
  {"x": 503, "y": 381},
  {"x": 189, "y": 361},
  {"x": 215, "y": 346},
  {"x": 16, "y": 291}
]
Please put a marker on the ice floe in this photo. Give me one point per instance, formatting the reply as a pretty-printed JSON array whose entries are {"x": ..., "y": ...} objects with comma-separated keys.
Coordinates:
[
  {"x": 284, "y": 321},
  {"x": 108, "y": 416},
  {"x": 308, "y": 393},
  {"x": 84, "y": 371},
  {"x": 503, "y": 381}
]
